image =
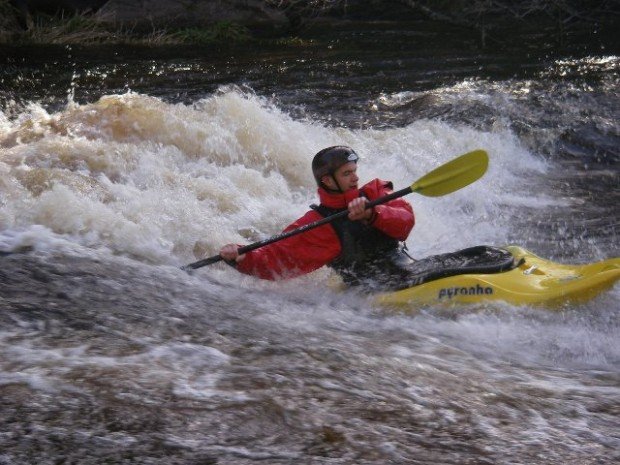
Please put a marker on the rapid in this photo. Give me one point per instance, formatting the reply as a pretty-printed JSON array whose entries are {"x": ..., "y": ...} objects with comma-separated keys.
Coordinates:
[{"x": 119, "y": 166}]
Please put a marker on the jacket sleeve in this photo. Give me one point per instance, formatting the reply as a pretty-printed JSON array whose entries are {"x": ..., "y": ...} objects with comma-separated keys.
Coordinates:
[
  {"x": 395, "y": 218},
  {"x": 294, "y": 256}
]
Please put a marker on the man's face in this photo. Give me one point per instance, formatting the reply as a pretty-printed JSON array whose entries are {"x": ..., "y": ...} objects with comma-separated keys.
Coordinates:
[{"x": 345, "y": 178}]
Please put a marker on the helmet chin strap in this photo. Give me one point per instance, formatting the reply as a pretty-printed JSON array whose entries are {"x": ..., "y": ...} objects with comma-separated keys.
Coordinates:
[{"x": 339, "y": 191}]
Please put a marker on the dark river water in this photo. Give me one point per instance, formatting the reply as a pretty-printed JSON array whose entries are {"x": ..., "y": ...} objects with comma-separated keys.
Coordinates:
[{"x": 119, "y": 164}]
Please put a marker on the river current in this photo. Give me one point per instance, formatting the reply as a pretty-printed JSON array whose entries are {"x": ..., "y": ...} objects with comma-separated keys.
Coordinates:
[{"x": 119, "y": 165}]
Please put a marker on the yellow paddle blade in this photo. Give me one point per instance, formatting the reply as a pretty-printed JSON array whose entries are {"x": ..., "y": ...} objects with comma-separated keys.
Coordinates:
[{"x": 453, "y": 175}]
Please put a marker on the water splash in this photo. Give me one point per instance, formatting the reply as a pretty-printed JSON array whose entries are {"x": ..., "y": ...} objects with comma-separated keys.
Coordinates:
[{"x": 160, "y": 181}]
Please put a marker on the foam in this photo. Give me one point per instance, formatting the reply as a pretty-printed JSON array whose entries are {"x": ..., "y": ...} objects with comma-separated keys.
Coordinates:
[{"x": 159, "y": 181}]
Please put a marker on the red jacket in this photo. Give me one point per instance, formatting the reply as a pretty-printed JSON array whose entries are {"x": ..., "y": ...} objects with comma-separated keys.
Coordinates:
[{"x": 308, "y": 251}]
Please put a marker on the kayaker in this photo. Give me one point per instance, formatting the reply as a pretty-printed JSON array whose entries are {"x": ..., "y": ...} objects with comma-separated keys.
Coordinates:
[{"x": 365, "y": 248}]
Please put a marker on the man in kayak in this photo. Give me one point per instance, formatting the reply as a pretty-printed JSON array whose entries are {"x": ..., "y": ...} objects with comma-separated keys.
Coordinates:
[{"x": 365, "y": 248}]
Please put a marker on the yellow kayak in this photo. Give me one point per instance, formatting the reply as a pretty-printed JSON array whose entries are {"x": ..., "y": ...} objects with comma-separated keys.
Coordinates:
[{"x": 532, "y": 281}]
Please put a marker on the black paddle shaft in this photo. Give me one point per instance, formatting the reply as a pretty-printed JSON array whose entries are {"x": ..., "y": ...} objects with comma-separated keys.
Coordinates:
[{"x": 294, "y": 232}]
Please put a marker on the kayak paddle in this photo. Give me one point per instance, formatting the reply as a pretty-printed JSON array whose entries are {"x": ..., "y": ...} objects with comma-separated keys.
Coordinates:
[{"x": 449, "y": 177}]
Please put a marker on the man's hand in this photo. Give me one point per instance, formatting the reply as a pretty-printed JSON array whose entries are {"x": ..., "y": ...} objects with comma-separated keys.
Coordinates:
[
  {"x": 358, "y": 211},
  {"x": 230, "y": 253}
]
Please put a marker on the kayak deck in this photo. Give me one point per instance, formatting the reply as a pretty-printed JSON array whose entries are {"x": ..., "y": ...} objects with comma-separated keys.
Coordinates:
[{"x": 534, "y": 280}]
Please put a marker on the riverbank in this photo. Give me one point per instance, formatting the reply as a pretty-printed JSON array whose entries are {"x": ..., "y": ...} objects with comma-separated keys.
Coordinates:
[{"x": 211, "y": 23}]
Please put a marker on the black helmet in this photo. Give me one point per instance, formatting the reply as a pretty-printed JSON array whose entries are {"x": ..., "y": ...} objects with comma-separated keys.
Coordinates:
[{"x": 328, "y": 160}]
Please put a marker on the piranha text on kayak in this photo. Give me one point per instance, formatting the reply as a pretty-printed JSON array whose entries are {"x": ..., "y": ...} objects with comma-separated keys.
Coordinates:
[{"x": 450, "y": 292}]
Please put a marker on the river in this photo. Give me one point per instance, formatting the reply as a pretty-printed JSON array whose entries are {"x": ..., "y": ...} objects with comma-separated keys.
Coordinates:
[{"x": 120, "y": 164}]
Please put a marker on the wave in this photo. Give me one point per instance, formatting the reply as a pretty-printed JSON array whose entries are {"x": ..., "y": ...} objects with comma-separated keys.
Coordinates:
[{"x": 164, "y": 182}]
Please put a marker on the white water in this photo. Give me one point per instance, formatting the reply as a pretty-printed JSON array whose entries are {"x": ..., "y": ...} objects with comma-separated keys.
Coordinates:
[
  {"x": 162, "y": 182},
  {"x": 166, "y": 184},
  {"x": 143, "y": 185}
]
